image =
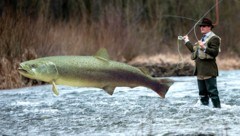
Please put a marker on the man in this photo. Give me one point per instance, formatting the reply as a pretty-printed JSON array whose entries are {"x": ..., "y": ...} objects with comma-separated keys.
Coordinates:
[{"x": 204, "y": 53}]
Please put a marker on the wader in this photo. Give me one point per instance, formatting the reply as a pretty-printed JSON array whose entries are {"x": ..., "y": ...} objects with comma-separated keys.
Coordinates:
[{"x": 208, "y": 89}]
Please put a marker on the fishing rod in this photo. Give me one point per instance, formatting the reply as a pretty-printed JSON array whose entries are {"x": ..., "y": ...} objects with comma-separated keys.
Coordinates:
[
  {"x": 181, "y": 63},
  {"x": 194, "y": 27}
]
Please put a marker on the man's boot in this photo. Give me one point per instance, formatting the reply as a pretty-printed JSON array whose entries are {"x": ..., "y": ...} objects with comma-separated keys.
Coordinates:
[{"x": 216, "y": 102}]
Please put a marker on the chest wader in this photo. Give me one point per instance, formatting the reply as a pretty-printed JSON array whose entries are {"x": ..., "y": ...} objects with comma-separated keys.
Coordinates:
[{"x": 208, "y": 89}]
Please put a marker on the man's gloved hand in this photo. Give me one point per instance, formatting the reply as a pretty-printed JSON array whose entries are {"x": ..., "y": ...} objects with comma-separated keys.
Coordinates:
[{"x": 185, "y": 38}]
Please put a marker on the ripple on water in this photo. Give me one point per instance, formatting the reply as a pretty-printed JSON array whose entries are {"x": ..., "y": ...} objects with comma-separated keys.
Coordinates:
[{"x": 129, "y": 111}]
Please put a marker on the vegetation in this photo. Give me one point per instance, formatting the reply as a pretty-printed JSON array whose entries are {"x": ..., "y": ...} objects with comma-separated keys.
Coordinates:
[{"x": 127, "y": 28}]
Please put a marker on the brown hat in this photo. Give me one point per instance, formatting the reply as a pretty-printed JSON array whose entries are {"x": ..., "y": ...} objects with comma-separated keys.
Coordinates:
[{"x": 206, "y": 22}]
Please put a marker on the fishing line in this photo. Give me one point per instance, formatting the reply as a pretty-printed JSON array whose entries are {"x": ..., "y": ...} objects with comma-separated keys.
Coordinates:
[
  {"x": 182, "y": 17},
  {"x": 180, "y": 64},
  {"x": 217, "y": 14},
  {"x": 194, "y": 28}
]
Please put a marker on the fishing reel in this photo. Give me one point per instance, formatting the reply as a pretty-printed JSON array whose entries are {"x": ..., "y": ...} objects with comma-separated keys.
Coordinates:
[{"x": 180, "y": 38}]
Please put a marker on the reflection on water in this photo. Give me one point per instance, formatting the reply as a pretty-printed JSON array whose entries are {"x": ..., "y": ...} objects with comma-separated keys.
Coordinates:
[{"x": 136, "y": 111}]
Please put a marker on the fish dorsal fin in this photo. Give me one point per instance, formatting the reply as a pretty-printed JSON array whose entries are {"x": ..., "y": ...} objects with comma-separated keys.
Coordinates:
[
  {"x": 102, "y": 59},
  {"x": 102, "y": 54},
  {"x": 109, "y": 89}
]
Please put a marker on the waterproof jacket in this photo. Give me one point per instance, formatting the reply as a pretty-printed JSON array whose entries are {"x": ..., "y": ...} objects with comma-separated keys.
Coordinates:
[{"x": 207, "y": 67}]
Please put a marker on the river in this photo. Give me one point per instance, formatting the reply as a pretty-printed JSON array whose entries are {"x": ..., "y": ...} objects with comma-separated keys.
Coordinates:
[{"x": 129, "y": 111}]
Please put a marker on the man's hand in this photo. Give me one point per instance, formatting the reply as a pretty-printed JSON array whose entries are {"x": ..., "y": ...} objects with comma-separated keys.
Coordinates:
[
  {"x": 185, "y": 38},
  {"x": 202, "y": 46}
]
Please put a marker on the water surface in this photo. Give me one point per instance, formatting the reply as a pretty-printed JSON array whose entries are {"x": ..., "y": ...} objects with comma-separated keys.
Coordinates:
[{"x": 129, "y": 111}]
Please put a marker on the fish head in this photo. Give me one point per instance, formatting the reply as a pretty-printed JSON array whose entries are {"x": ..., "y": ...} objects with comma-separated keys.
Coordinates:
[{"x": 38, "y": 69}]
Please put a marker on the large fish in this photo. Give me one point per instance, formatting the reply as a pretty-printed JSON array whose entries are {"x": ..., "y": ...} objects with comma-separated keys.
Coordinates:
[{"x": 91, "y": 71}]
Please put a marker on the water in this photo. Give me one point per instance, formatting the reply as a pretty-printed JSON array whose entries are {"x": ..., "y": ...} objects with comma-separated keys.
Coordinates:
[{"x": 130, "y": 111}]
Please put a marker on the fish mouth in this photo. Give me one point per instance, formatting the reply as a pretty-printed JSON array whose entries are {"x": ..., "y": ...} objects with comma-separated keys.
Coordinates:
[{"x": 21, "y": 70}]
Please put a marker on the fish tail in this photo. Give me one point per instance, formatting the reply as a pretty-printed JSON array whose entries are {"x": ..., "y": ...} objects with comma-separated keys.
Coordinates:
[{"x": 163, "y": 87}]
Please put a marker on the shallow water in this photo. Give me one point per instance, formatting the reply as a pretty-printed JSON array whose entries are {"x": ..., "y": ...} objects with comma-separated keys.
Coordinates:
[{"x": 130, "y": 111}]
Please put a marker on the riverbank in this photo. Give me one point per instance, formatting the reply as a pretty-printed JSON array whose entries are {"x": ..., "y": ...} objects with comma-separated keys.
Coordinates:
[
  {"x": 173, "y": 65},
  {"x": 160, "y": 65}
]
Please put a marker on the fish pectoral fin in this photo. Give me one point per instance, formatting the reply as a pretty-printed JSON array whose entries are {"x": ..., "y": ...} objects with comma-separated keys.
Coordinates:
[
  {"x": 54, "y": 88},
  {"x": 109, "y": 89}
]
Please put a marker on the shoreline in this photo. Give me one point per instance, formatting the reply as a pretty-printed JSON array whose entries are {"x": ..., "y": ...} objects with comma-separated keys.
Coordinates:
[{"x": 224, "y": 62}]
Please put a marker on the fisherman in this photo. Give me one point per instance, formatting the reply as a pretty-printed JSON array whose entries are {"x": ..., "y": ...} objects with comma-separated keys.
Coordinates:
[{"x": 204, "y": 52}]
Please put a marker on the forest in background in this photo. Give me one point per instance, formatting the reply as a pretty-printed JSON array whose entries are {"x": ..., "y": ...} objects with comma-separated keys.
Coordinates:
[{"x": 127, "y": 28}]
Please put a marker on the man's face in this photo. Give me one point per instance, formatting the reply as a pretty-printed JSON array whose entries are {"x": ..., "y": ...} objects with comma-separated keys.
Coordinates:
[{"x": 205, "y": 29}]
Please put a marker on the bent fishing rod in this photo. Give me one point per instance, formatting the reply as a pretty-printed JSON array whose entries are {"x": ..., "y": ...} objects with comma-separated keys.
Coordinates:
[
  {"x": 180, "y": 38},
  {"x": 194, "y": 27}
]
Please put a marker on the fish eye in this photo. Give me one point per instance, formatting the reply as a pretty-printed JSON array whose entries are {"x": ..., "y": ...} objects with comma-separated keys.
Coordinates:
[{"x": 34, "y": 66}]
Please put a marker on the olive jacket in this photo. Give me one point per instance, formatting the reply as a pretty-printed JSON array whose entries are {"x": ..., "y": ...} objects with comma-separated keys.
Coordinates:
[{"x": 207, "y": 67}]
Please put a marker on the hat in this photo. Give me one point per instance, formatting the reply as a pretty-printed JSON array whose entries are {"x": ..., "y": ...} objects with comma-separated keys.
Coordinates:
[{"x": 206, "y": 22}]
